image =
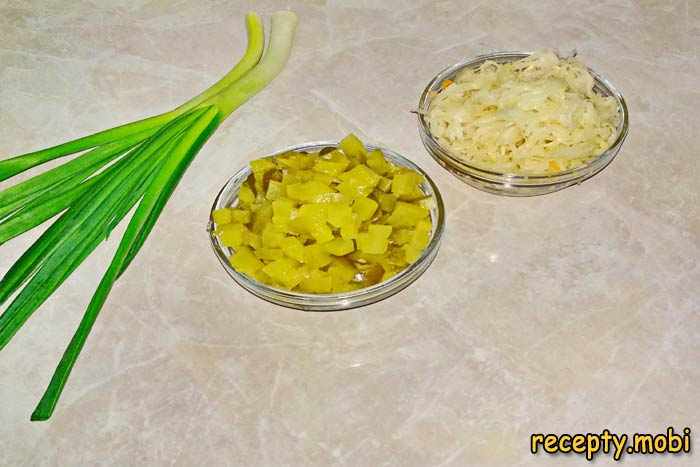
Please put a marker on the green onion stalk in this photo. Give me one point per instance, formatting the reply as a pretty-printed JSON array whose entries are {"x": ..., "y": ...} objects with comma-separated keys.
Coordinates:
[{"x": 130, "y": 168}]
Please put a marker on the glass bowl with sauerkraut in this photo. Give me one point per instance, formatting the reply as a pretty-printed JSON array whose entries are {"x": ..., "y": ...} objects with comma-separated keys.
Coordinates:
[{"x": 522, "y": 124}]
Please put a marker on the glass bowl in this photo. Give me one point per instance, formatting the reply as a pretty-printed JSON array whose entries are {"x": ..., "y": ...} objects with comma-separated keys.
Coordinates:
[
  {"x": 228, "y": 196},
  {"x": 506, "y": 183}
]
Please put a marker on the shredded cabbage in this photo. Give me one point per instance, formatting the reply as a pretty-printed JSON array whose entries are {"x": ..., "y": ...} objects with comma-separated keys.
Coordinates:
[{"x": 535, "y": 116}]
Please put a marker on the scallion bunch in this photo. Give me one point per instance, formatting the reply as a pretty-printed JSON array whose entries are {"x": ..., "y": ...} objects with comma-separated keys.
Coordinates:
[{"x": 137, "y": 164}]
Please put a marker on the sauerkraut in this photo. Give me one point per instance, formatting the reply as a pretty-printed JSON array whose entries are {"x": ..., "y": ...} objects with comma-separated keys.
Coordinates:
[{"x": 535, "y": 116}]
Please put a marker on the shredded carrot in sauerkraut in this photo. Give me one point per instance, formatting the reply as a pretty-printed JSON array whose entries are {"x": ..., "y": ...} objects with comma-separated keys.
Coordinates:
[{"x": 539, "y": 115}]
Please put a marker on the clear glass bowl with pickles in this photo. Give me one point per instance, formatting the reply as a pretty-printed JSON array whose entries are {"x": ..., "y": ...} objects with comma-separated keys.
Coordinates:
[{"x": 327, "y": 225}]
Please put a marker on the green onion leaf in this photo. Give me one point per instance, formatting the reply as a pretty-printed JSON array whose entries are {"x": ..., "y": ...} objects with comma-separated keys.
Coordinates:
[
  {"x": 137, "y": 164},
  {"x": 142, "y": 222}
]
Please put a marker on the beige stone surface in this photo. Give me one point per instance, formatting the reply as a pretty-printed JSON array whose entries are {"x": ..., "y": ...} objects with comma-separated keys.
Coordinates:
[{"x": 571, "y": 312}]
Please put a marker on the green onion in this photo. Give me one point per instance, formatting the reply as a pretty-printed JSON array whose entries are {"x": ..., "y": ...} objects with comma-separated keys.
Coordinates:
[
  {"x": 137, "y": 164},
  {"x": 87, "y": 216},
  {"x": 14, "y": 197},
  {"x": 141, "y": 223}
]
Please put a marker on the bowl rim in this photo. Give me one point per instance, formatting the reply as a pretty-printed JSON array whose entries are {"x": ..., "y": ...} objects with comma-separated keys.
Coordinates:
[
  {"x": 342, "y": 300},
  {"x": 455, "y": 162}
]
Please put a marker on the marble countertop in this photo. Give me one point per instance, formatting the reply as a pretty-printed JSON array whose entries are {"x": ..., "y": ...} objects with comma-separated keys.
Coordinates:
[{"x": 571, "y": 312}]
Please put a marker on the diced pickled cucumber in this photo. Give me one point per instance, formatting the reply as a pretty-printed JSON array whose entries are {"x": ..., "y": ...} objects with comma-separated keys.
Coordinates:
[
  {"x": 340, "y": 215},
  {"x": 252, "y": 239},
  {"x": 353, "y": 147},
  {"x": 365, "y": 208},
  {"x": 222, "y": 216},
  {"x": 384, "y": 184},
  {"x": 297, "y": 176},
  {"x": 293, "y": 248},
  {"x": 282, "y": 210},
  {"x": 244, "y": 260},
  {"x": 313, "y": 220},
  {"x": 358, "y": 182},
  {"x": 315, "y": 257},
  {"x": 246, "y": 195},
  {"x": 326, "y": 222},
  {"x": 350, "y": 231},
  {"x": 401, "y": 236},
  {"x": 284, "y": 271},
  {"x": 342, "y": 271},
  {"x": 339, "y": 247},
  {"x": 274, "y": 190},
  {"x": 361, "y": 174},
  {"x": 309, "y": 192},
  {"x": 324, "y": 178},
  {"x": 260, "y": 167},
  {"x": 232, "y": 235},
  {"x": 406, "y": 185},
  {"x": 375, "y": 241},
  {"x": 240, "y": 215},
  {"x": 261, "y": 217},
  {"x": 269, "y": 254},
  {"x": 407, "y": 214},
  {"x": 333, "y": 163},
  {"x": 317, "y": 282},
  {"x": 376, "y": 162},
  {"x": 382, "y": 231},
  {"x": 387, "y": 202},
  {"x": 272, "y": 236},
  {"x": 295, "y": 160}
]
